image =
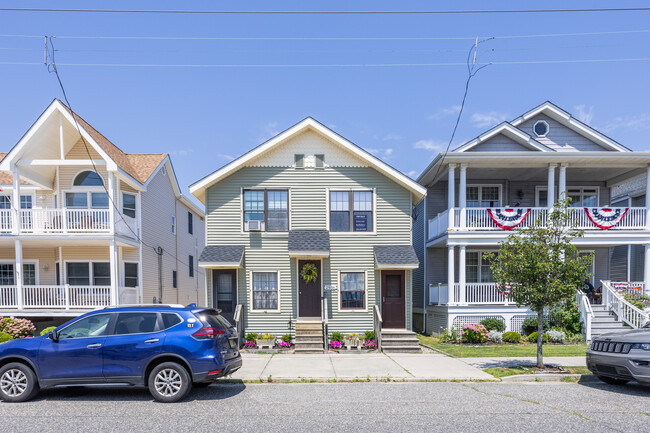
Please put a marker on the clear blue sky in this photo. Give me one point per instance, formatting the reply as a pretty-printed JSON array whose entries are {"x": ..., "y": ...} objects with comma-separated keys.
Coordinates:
[{"x": 205, "y": 116}]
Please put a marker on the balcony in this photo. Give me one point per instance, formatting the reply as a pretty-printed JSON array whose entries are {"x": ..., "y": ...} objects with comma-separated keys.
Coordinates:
[
  {"x": 475, "y": 294},
  {"x": 55, "y": 297},
  {"x": 478, "y": 219}
]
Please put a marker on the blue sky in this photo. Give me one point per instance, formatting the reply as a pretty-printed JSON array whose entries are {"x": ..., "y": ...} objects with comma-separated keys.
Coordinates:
[{"x": 204, "y": 116}]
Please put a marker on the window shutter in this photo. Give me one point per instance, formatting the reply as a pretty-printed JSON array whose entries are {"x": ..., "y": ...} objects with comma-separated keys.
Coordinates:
[
  {"x": 299, "y": 159},
  {"x": 320, "y": 160}
]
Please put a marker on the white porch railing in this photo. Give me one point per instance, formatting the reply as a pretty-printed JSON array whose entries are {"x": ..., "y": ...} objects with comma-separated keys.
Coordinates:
[
  {"x": 56, "y": 297},
  {"x": 625, "y": 311},
  {"x": 438, "y": 225},
  {"x": 6, "y": 221},
  {"x": 475, "y": 293},
  {"x": 586, "y": 314},
  {"x": 438, "y": 294},
  {"x": 42, "y": 221}
]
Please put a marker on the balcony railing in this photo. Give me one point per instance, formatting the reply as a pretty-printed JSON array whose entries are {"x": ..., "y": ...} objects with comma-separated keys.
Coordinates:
[
  {"x": 55, "y": 297},
  {"x": 475, "y": 293},
  {"x": 479, "y": 219}
]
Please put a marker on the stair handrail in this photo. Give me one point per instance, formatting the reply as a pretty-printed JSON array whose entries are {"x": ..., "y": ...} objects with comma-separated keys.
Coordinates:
[
  {"x": 238, "y": 318},
  {"x": 586, "y": 313},
  {"x": 324, "y": 320},
  {"x": 624, "y": 310},
  {"x": 377, "y": 323}
]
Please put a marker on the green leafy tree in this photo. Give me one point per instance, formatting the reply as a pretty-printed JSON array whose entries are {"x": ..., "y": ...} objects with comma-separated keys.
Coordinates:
[{"x": 540, "y": 267}]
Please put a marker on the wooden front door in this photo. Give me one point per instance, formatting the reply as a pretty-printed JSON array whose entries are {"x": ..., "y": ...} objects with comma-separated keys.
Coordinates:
[
  {"x": 393, "y": 299},
  {"x": 224, "y": 292},
  {"x": 309, "y": 294}
]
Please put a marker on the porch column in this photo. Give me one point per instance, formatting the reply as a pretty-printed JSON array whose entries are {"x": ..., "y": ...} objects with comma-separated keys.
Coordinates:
[
  {"x": 647, "y": 198},
  {"x": 462, "y": 194},
  {"x": 550, "y": 194},
  {"x": 450, "y": 274},
  {"x": 646, "y": 269},
  {"x": 15, "y": 201},
  {"x": 451, "y": 193},
  {"x": 461, "y": 273},
  {"x": 114, "y": 274},
  {"x": 111, "y": 200},
  {"x": 562, "y": 183},
  {"x": 18, "y": 273}
]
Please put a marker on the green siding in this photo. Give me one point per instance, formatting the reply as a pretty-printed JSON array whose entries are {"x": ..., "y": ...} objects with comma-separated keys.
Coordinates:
[{"x": 308, "y": 210}]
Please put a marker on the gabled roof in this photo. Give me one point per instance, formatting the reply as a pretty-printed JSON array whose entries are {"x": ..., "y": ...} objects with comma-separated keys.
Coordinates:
[
  {"x": 509, "y": 131},
  {"x": 309, "y": 242},
  {"x": 565, "y": 119},
  {"x": 198, "y": 188},
  {"x": 396, "y": 257}
]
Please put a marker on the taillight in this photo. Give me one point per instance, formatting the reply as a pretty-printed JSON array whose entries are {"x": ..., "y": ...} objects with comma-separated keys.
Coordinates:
[{"x": 206, "y": 333}]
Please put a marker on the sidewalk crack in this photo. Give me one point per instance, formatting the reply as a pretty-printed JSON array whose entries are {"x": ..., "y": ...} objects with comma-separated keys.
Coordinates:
[
  {"x": 329, "y": 356},
  {"x": 398, "y": 364},
  {"x": 265, "y": 365}
]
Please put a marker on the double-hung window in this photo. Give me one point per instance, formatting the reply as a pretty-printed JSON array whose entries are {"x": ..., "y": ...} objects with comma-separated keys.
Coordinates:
[
  {"x": 190, "y": 223},
  {"x": 583, "y": 197},
  {"x": 7, "y": 274},
  {"x": 351, "y": 211},
  {"x": 97, "y": 200},
  {"x": 483, "y": 196},
  {"x": 353, "y": 290},
  {"x": 477, "y": 267},
  {"x": 265, "y": 290},
  {"x": 130, "y": 274},
  {"x": 128, "y": 205},
  {"x": 269, "y": 206},
  {"x": 82, "y": 273}
]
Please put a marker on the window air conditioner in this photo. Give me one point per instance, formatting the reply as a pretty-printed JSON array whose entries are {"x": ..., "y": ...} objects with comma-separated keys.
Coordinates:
[{"x": 254, "y": 226}]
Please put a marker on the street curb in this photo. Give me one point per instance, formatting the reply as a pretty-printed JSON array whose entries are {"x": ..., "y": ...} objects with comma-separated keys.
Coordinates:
[
  {"x": 550, "y": 377},
  {"x": 350, "y": 380},
  {"x": 442, "y": 352}
]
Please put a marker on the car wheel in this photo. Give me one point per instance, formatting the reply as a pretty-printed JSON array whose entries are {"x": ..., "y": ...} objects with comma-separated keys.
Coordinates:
[
  {"x": 169, "y": 382},
  {"x": 17, "y": 383},
  {"x": 613, "y": 381}
]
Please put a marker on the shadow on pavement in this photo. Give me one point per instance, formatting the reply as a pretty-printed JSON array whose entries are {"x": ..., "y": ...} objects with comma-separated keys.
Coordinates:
[{"x": 631, "y": 388}]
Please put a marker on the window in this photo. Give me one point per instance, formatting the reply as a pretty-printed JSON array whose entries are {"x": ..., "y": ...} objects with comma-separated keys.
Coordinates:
[
  {"x": 320, "y": 160},
  {"x": 174, "y": 280},
  {"x": 25, "y": 201},
  {"x": 136, "y": 323},
  {"x": 583, "y": 197},
  {"x": 7, "y": 274},
  {"x": 130, "y": 274},
  {"x": 351, "y": 211},
  {"x": 477, "y": 267},
  {"x": 299, "y": 159},
  {"x": 353, "y": 290},
  {"x": 79, "y": 273},
  {"x": 173, "y": 225},
  {"x": 29, "y": 274},
  {"x": 268, "y": 206},
  {"x": 90, "y": 326},
  {"x": 98, "y": 200},
  {"x": 541, "y": 196},
  {"x": 5, "y": 202},
  {"x": 483, "y": 196},
  {"x": 541, "y": 128},
  {"x": 101, "y": 274},
  {"x": 170, "y": 319},
  {"x": 265, "y": 291},
  {"x": 88, "y": 178},
  {"x": 191, "y": 266},
  {"x": 190, "y": 223},
  {"x": 128, "y": 205}
]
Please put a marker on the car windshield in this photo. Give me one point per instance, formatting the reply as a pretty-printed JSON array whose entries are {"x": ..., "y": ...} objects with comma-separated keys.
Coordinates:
[
  {"x": 647, "y": 324},
  {"x": 213, "y": 319}
]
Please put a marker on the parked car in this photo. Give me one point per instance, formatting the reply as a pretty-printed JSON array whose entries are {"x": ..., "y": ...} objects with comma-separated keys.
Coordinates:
[
  {"x": 167, "y": 348},
  {"x": 617, "y": 358}
]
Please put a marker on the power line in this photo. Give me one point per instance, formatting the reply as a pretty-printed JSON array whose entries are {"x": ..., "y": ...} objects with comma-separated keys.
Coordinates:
[{"x": 326, "y": 12}]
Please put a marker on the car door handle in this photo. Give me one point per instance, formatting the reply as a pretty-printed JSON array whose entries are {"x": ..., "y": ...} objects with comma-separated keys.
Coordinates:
[
  {"x": 94, "y": 346},
  {"x": 153, "y": 340}
]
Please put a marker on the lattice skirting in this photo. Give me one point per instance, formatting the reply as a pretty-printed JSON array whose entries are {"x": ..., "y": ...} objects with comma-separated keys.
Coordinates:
[
  {"x": 517, "y": 321},
  {"x": 460, "y": 321}
]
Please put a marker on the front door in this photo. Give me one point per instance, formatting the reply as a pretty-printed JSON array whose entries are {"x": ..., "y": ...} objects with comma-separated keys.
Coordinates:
[
  {"x": 309, "y": 293},
  {"x": 224, "y": 292},
  {"x": 393, "y": 299}
]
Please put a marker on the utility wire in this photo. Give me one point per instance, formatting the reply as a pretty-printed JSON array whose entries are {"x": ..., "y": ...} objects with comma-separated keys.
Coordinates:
[
  {"x": 52, "y": 67},
  {"x": 326, "y": 12}
]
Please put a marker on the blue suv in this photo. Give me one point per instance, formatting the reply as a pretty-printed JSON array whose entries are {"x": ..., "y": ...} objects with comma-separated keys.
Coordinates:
[{"x": 167, "y": 348}]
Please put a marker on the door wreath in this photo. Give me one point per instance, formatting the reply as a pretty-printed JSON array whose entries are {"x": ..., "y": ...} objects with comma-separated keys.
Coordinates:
[{"x": 309, "y": 273}]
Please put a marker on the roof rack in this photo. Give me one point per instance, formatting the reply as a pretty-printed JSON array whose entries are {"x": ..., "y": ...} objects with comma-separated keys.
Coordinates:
[{"x": 144, "y": 306}]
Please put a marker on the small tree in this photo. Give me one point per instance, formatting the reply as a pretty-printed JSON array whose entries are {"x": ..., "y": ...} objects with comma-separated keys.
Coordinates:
[{"x": 540, "y": 266}]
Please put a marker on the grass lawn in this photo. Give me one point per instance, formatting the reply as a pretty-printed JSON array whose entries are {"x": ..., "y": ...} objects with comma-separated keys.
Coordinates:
[
  {"x": 493, "y": 350},
  {"x": 511, "y": 371}
]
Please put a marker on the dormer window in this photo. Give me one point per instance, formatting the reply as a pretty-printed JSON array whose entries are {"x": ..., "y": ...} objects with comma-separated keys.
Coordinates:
[
  {"x": 541, "y": 128},
  {"x": 88, "y": 178}
]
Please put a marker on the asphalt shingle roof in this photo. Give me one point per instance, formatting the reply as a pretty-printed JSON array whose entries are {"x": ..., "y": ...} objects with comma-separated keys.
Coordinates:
[
  {"x": 222, "y": 254},
  {"x": 309, "y": 240},
  {"x": 398, "y": 255}
]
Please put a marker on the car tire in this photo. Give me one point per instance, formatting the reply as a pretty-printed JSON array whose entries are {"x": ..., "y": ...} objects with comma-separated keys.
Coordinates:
[
  {"x": 612, "y": 381},
  {"x": 169, "y": 382},
  {"x": 18, "y": 383}
]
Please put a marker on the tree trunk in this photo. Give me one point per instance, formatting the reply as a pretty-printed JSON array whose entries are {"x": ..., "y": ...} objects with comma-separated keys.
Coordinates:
[{"x": 540, "y": 337}]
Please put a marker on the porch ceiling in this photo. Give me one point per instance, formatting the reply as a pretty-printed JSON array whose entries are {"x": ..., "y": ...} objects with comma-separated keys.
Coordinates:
[{"x": 540, "y": 174}]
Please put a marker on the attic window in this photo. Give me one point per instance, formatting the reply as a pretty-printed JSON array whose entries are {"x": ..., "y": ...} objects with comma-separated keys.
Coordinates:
[
  {"x": 541, "y": 128},
  {"x": 88, "y": 178},
  {"x": 299, "y": 159},
  {"x": 320, "y": 160}
]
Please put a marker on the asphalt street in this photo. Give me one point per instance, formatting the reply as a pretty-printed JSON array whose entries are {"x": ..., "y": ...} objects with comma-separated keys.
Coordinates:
[{"x": 395, "y": 407}]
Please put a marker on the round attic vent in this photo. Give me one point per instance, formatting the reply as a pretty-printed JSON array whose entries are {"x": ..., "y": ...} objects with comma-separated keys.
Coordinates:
[{"x": 541, "y": 128}]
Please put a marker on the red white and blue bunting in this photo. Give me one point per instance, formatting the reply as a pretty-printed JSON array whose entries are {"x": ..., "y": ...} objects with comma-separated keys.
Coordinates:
[
  {"x": 606, "y": 218},
  {"x": 508, "y": 218}
]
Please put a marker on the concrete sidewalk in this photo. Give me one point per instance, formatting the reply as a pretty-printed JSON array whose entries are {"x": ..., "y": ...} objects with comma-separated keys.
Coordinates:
[
  {"x": 561, "y": 361},
  {"x": 361, "y": 366}
]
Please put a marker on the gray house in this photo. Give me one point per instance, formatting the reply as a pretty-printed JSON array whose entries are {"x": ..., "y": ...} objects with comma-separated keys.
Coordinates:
[{"x": 308, "y": 229}]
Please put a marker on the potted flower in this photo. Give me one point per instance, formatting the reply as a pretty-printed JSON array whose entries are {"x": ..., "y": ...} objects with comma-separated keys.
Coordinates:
[
  {"x": 265, "y": 340},
  {"x": 336, "y": 341},
  {"x": 352, "y": 340},
  {"x": 369, "y": 340},
  {"x": 285, "y": 342}
]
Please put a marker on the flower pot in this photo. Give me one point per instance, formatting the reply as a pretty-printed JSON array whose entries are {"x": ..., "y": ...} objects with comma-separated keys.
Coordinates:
[
  {"x": 262, "y": 343},
  {"x": 351, "y": 343}
]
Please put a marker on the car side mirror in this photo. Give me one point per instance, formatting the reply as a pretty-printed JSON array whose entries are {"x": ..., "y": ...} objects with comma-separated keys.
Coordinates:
[{"x": 53, "y": 335}]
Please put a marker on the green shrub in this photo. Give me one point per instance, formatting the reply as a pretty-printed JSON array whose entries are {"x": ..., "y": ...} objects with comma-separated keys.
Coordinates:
[
  {"x": 5, "y": 337},
  {"x": 575, "y": 339},
  {"x": 530, "y": 325},
  {"x": 492, "y": 323},
  {"x": 48, "y": 330},
  {"x": 566, "y": 316},
  {"x": 448, "y": 336},
  {"x": 266, "y": 336},
  {"x": 474, "y": 333},
  {"x": 556, "y": 335},
  {"x": 286, "y": 338},
  {"x": 251, "y": 336},
  {"x": 337, "y": 336},
  {"x": 369, "y": 335},
  {"x": 638, "y": 300},
  {"x": 532, "y": 338},
  {"x": 511, "y": 337}
]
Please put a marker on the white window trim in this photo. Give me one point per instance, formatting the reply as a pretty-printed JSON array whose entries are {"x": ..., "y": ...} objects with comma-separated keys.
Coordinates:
[
  {"x": 89, "y": 198},
  {"x": 123, "y": 279},
  {"x": 251, "y": 304},
  {"x": 174, "y": 225},
  {"x": 340, "y": 303},
  {"x": 25, "y": 262},
  {"x": 82, "y": 187},
  {"x": 539, "y": 188},
  {"x": 91, "y": 276},
  {"x": 264, "y": 233},
  {"x": 480, "y": 261},
  {"x": 10, "y": 196},
  {"x": 548, "y": 128},
  {"x": 351, "y": 232},
  {"x": 480, "y": 191},
  {"x": 582, "y": 188},
  {"x": 122, "y": 203}
]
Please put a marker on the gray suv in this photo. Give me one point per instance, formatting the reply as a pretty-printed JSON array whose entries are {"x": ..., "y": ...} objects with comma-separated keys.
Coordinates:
[{"x": 617, "y": 358}]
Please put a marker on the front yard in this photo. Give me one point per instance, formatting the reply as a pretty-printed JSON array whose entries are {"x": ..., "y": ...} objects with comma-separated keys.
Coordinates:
[{"x": 502, "y": 350}]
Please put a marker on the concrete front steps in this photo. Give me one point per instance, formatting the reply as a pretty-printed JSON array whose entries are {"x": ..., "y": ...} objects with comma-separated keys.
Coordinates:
[
  {"x": 604, "y": 321},
  {"x": 309, "y": 337},
  {"x": 399, "y": 341}
]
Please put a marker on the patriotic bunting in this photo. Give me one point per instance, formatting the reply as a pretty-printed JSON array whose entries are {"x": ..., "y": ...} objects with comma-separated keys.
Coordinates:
[
  {"x": 508, "y": 218},
  {"x": 606, "y": 218}
]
